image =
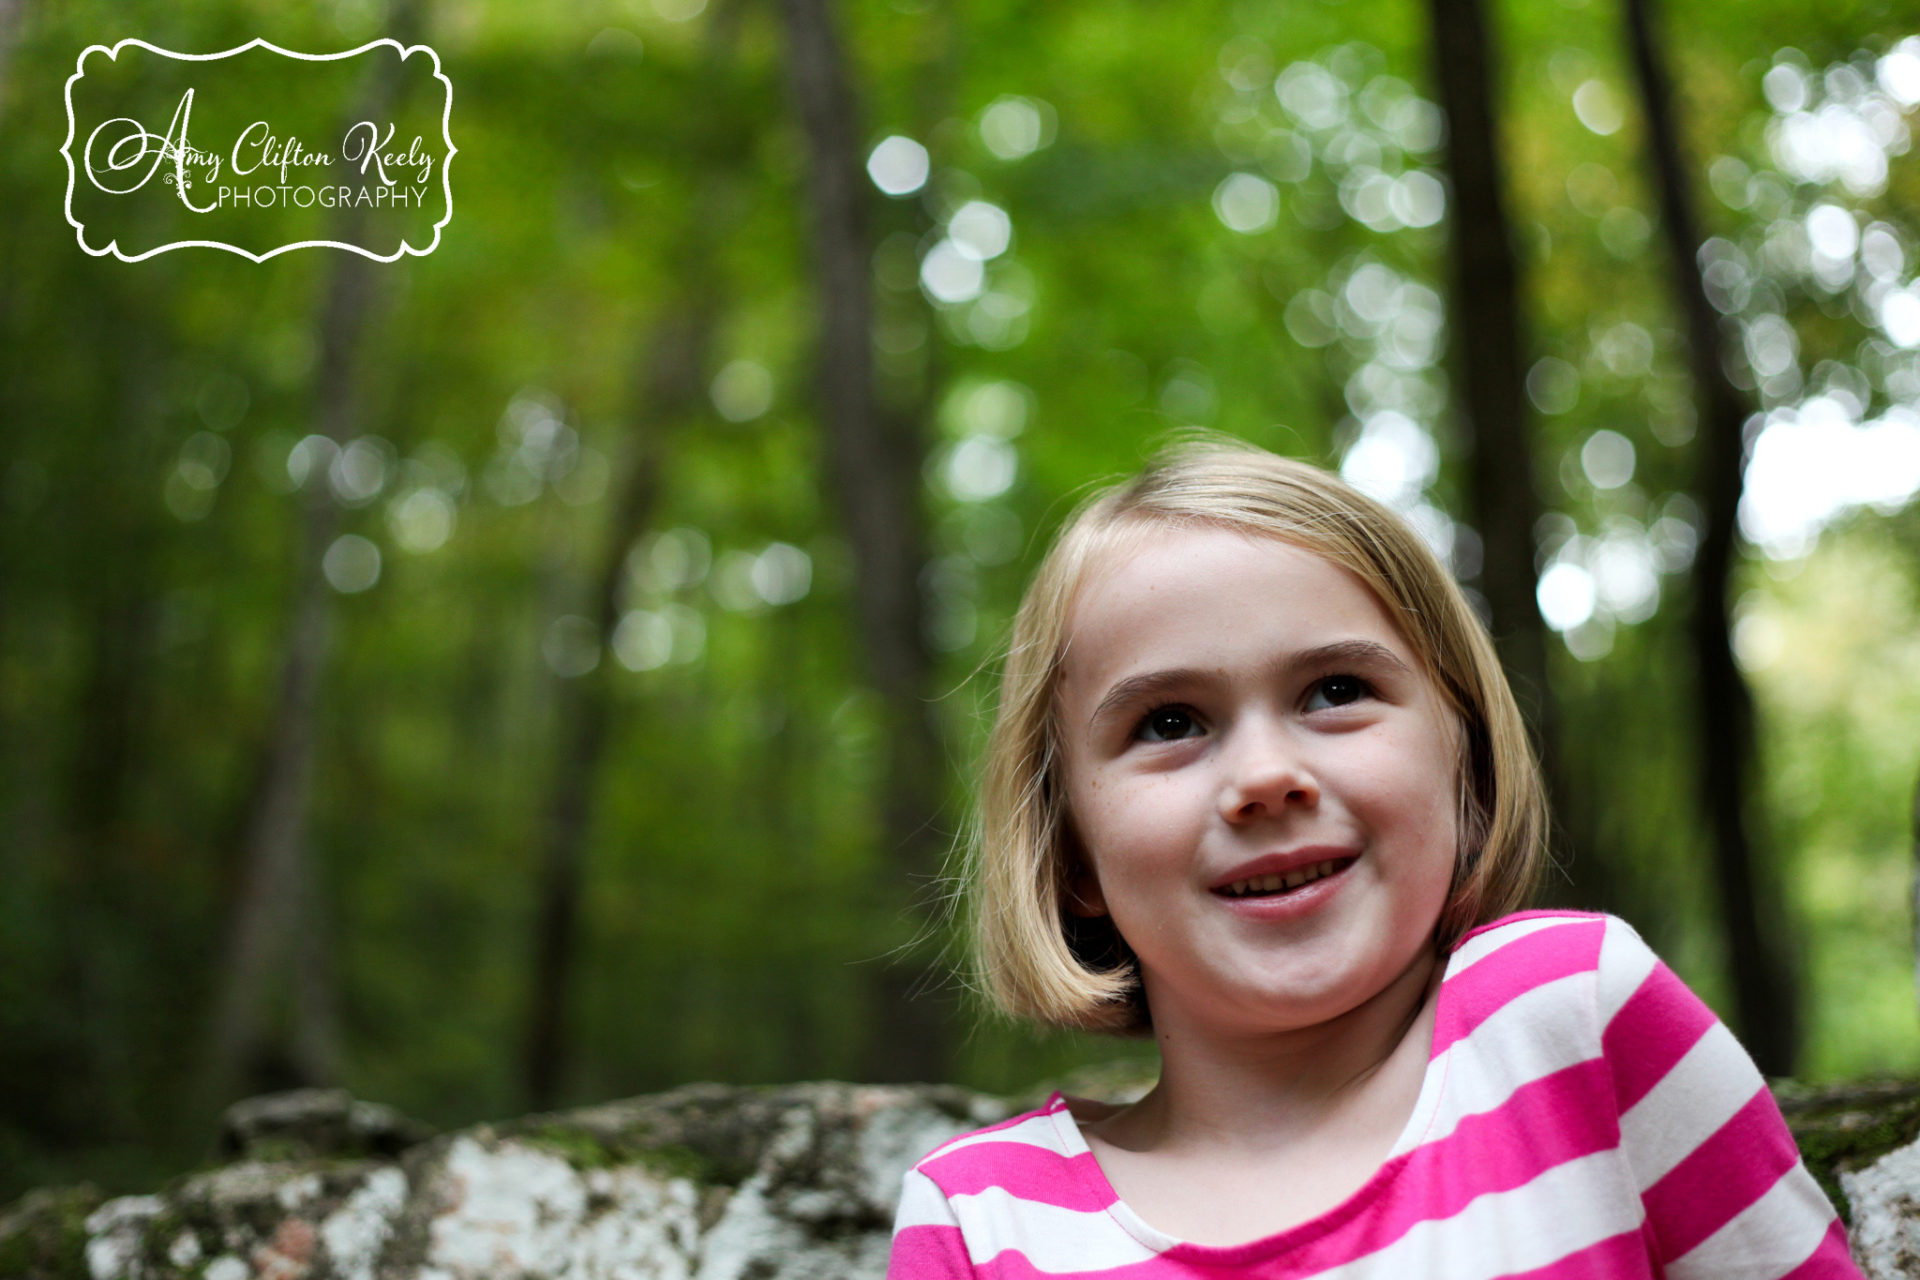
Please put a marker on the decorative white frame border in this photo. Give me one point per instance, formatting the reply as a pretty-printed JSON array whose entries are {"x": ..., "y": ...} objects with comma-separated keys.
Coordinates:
[{"x": 113, "y": 247}]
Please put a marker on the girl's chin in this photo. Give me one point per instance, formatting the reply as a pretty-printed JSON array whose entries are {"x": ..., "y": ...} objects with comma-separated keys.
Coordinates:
[{"x": 1288, "y": 996}]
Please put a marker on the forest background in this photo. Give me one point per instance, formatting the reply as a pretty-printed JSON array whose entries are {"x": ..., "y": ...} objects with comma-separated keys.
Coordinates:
[{"x": 548, "y": 669}]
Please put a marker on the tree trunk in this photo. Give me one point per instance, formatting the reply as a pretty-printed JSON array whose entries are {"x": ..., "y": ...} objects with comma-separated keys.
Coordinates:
[
  {"x": 1761, "y": 949},
  {"x": 1916, "y": 888},
  {"x": 874, "y": 467},
  {"x": 669, "y": 385},
  {"x": 99, "y": 891},
  {"x": 1489, "y": 357},
  {"x": 12, "y": 18},
  {"x": 275, "y": 897},
  {"x": 667, "y": 391},
  {"x": 278, "y": 929}
]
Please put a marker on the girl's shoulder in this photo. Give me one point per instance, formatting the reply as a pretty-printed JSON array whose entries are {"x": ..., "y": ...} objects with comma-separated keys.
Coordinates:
[
  {"x": 1522, "y": 923},
  {"x": 1535, "y": 962},
  {"x": 1574, "y": 936},
  {"x": 1032, "y": 1141}
]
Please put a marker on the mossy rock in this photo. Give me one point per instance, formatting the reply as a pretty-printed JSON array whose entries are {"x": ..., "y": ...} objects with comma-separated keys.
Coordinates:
[
  {"x": 586, "y": 1149},
  {"x": 819, "y": 1157},
  {"x": 1845, "y": 1127},
  {"x": 43, "y": 1236}
]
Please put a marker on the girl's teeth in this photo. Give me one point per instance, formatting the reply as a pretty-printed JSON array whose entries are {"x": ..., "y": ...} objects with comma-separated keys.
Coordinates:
[{"x": 1281, "y": 884}]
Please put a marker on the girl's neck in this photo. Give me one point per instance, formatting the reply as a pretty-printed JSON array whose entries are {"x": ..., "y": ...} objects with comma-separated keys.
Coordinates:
[{"x": 1223, "y": 1092}]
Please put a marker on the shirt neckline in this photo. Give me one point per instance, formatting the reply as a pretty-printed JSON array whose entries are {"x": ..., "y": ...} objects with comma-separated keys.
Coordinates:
[{"x": 1425, "y": 1108}]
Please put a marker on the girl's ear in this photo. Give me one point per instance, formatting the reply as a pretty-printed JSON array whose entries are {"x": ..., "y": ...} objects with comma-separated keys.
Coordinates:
[{"x": 1084, "y": 898}]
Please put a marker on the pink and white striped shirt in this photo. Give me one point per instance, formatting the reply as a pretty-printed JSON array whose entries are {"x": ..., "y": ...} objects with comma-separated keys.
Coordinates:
[{"x": 1583, "y": 1115}]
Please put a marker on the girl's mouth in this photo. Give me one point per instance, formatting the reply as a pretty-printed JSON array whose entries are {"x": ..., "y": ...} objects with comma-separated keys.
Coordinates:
[{"x": 1278, "y": 885}]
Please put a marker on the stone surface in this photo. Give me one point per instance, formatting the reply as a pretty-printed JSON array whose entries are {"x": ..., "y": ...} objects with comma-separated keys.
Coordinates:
[
  {"x": 316, "y": 1122},
  {"x": 1885, "y": 1197},
  {"x": 706, "y": 1182}
]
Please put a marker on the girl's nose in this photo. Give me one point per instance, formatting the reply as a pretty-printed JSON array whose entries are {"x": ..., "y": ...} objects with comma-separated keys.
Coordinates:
[{"x": 1266, "y": 775}]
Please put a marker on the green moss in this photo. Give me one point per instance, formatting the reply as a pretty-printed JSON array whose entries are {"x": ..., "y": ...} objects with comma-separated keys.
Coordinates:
[
  {"x": 586, "y": 1150},
  {"x": 160, "y": 1232},
  {"x": 1849, "y": 1127},
  {"x": 16, "y": 1254},
  {"x": 577, "y": 1147},
  {"x": 675, "y": 1161},
  {"x": 44, "y": 1237},
  {"x": 278, "y": 1151}
]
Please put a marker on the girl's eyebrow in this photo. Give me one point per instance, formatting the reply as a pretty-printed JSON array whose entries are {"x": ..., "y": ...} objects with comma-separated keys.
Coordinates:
[
  {"x": 1144, "y": 687},
  {"x": 1150, "y": 684},
  {"x": 1359, "y": 652}
]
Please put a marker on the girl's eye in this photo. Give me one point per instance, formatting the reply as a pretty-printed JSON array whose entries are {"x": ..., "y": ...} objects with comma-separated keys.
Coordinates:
[
  {"x": 1167, "y": 724},
  {"x": 1337, "y": 691}
]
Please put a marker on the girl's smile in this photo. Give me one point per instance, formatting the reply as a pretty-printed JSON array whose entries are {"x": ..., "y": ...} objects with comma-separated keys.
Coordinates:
[
  {"x": 1262, "y": 781},
  {"x": 1285, "y": 885}
]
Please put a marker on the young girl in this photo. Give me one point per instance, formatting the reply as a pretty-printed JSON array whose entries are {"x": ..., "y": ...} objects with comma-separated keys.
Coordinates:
[{"x": 1258, "y": 788}]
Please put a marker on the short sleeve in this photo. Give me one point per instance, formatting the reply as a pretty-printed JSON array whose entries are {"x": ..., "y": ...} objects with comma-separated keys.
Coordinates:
[
  {"x": 927, "y": 1244},
  {"x": 1718, "y": 1171}
]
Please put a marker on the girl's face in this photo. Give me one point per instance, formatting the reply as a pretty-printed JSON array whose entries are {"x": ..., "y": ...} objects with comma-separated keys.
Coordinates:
[{"x": 1262, "y": 780}]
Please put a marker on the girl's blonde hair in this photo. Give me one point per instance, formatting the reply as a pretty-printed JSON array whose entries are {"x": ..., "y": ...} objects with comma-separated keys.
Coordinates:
[{"x": 1041, "y": 961}]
